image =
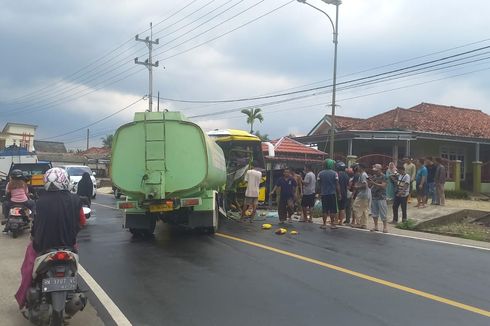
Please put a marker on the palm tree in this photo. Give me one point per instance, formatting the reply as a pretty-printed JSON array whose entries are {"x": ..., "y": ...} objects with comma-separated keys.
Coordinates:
[
  {"x": 252, "y": 115},
  {"x": 107, "y": 141}
]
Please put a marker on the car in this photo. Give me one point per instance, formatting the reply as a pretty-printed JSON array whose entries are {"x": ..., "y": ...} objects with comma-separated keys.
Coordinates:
[{"x": 75, "y": 173}]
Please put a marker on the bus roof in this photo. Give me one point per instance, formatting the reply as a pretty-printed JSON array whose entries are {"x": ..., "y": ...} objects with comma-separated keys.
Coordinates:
[{"x": 232, "y": 134}]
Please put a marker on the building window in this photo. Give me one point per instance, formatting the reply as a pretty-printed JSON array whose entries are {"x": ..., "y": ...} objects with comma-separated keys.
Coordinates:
[{"x": 453, "y": 154}]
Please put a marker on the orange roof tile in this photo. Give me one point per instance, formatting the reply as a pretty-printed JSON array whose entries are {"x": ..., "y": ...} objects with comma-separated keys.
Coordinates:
[{"x": 431, "y": 118}]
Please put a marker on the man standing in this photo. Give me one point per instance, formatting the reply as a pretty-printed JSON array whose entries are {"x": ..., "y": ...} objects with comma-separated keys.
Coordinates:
[
  {"x": 299, "y": 190},
  {"x": 330, "y": 192},
  {"x": 420, "y": 183},
  {"x": 308, "y": 200},
  {"x": 343, "y": 184},
  {"x": 252, "y": 177},
  {"x": 361, "y": 202},
  {"x": 440, "y": 180},
  {"x": 401, "y": 194},
  {"x": 379, "y": 207},
  {"x": 411, "y": 170},
  {"x": 288, "y": 185},
  {"x": 431, "y": 185}
]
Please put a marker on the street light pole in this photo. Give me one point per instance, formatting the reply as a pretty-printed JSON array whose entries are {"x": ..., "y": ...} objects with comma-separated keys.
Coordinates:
[{"x": 335, "y": 27}]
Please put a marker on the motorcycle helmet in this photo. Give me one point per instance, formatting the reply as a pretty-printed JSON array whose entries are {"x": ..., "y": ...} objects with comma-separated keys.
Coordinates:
[
  {"x": 56, "y": 179},
  {"x": 17, "y": 174},
  {"x": 329, "y": 164},
  {"x": 340, "y": 166}
]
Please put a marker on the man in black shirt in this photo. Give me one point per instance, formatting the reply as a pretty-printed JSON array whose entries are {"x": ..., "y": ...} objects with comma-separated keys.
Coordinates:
[{"x": 431, "y": 184}]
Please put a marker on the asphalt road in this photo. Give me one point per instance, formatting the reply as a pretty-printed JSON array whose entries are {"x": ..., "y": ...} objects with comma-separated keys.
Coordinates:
[{"x": 181, "y": 278}]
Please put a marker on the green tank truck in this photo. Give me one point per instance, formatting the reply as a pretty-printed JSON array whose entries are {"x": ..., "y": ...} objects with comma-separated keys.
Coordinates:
[{"x": 170, "y": 170}]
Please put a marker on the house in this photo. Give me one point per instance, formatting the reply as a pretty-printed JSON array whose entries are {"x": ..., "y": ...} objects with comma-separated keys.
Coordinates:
[
  {"x": 98, "y": 159},
  {"x": 18, "y": 134},
  {"x": 56, "y": 153},
  {"x": 456, "y": 134}
]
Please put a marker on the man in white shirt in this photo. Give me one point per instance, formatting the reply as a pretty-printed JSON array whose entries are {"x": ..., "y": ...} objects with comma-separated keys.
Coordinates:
[
  {"x": 308, "y": 200},
  {"x": 253, "y": 178}
]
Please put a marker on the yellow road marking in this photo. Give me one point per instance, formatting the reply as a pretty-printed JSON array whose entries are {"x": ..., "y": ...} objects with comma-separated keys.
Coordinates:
[{"x": 403, "y": 288}]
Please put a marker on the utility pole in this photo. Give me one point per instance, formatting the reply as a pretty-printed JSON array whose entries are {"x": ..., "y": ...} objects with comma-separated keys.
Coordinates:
[
  {"x": 88, "y": 137},
  {"x": 148, "y": 63}
]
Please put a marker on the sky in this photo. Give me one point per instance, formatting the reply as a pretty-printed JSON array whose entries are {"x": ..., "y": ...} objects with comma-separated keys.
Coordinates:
[{"x": 69, "y": 65}]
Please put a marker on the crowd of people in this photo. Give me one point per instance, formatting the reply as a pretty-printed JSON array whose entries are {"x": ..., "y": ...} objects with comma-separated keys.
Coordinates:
[{"x": 350, "y": 195}]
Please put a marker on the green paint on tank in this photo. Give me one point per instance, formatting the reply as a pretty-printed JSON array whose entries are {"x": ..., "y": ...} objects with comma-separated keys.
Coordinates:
[{"x": 163, "y": 155}]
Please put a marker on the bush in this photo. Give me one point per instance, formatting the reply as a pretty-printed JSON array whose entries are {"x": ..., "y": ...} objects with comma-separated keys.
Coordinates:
[
  {"x": 407, "y": 225},
  {"x": 457, "y": 194}
]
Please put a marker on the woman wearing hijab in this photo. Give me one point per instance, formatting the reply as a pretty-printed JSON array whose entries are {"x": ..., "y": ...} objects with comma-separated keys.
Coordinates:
[
  {"x": 85, "y": 187},
  {"x": 390, "y": 189}
]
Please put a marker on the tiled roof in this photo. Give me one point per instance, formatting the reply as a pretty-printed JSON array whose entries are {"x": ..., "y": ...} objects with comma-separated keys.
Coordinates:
[
  {"x": 287, "y": 145},
  {"x": 431, "y": 118},
  {"x": 42, "y": 146},
  {"x": 341, "y": 123}
]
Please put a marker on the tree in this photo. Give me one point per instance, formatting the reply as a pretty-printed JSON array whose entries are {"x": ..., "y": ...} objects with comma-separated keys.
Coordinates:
[
  {"x": 263, "y": 137},
  {"x": 107, "y": 141},
  {"x": 252, "y": 115}
]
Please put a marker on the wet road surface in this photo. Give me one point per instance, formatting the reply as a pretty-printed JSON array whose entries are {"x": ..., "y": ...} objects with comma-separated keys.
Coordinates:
[{"x": 182, "y": 278}]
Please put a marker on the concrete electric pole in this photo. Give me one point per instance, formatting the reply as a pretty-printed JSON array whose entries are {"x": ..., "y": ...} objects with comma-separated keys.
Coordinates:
[{"x": 148, "y": 63}]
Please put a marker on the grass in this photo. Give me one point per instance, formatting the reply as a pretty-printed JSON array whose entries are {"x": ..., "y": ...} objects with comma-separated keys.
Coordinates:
[
  {"x": 457, "y": 194},
  {"x": 407, "y": 225},
  {"x": 463, "y": 230}
]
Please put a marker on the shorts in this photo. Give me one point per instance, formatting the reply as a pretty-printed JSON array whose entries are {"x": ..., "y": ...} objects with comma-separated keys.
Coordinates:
[
  {"x": 342, "y": 204},
  {"x": 285, "y": 207},
  {"x": 379, "y": 208},
  {"x": 422, "y": 192},
  {"x": 308, "y": 201},
  {"x": 329, "y": 204},
  {"x": 251, "y": 201}
]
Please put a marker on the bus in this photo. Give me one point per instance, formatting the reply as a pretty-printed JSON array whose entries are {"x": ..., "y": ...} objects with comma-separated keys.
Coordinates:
[{"x": 241, "y": 150}]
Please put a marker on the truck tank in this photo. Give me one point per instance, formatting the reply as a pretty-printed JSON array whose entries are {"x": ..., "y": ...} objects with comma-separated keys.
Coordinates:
[{"x": 163, "y": 155}]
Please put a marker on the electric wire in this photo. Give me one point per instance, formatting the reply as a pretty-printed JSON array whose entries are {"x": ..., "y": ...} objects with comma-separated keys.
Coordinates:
[{"x": 30, "y": 94}]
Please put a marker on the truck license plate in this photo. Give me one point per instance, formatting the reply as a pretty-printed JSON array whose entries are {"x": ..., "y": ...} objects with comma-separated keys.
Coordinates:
[
  {"x": 161, "y": 208},
  {"x": 59, "y": 284}
]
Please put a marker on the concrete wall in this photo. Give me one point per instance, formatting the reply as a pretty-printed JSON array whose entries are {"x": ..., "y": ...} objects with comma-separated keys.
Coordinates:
[{"x": 485, "y": 188}]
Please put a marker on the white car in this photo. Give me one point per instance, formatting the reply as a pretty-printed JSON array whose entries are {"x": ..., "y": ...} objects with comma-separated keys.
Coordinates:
[{"x": 75, "y": 172}]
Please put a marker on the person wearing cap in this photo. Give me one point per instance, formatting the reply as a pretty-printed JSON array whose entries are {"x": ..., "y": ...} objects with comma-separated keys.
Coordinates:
[
  {"x": 330, "y": 193},
  {"x": 401, "y": 195},
  {"x": 379, "y": 207},
  {"x": 361, "y": 201}
]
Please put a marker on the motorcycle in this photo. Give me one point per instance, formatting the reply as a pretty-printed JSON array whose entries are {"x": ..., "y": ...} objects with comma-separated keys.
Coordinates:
[
  {"x": 54, "y": 294},
  {"x": 17, "y": 220},
  {"x": 86, "y": 206}
]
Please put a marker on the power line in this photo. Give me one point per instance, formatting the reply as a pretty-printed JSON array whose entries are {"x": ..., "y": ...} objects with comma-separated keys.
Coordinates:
[
  {"x": 110, "y": 69},
  {"x": 328, "y": 86},
  {"x": 97, "y": 121},
  {"x": 51, "y": 86},
  {"x": 226, "y": 33}
]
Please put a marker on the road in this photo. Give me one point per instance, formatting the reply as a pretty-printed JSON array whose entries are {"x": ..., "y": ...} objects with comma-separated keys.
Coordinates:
[{"x": 247, "y": 276}]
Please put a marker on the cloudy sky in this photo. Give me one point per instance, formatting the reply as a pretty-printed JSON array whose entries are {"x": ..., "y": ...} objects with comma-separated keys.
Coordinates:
[{"x": 66, "y": 64}]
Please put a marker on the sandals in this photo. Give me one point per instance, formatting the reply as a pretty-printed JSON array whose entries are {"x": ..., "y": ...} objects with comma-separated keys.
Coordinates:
[{"x": 374, "y": 230}]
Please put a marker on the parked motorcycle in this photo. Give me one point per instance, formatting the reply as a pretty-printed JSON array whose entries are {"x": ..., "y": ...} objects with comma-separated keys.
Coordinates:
[
  {"x": 55, "y": 294},
  {"x": 17, "y": 220}
]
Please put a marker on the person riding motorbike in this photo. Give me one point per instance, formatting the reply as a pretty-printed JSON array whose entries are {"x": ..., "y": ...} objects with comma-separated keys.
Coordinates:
[
  {"x": 17, "y": 193},
  {"x": 85, "y": 188},
  {"x": 59, "y": 219}
]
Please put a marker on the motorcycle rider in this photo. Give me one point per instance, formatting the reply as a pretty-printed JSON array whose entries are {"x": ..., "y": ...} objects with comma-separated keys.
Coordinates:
[
  {"x": 85, "y": 188},
  {"x": 59, "y": 219},
  {"x": 17, "y": 192}
]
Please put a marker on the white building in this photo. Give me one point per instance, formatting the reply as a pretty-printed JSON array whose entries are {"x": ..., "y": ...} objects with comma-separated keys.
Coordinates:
[{"x": 18, "y": 134}]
